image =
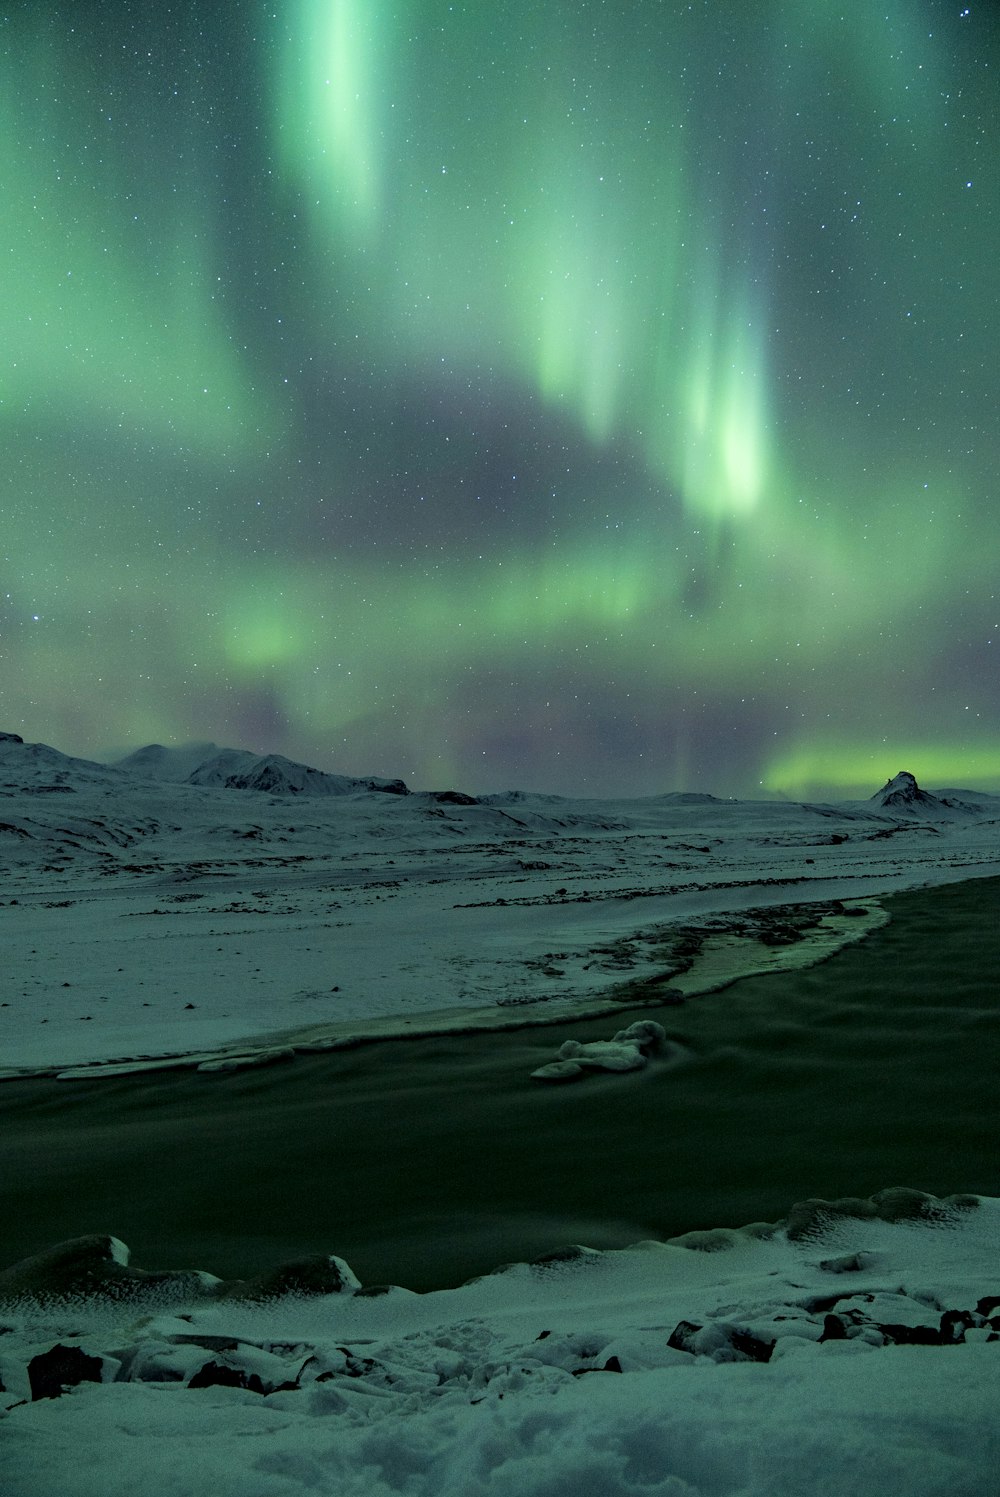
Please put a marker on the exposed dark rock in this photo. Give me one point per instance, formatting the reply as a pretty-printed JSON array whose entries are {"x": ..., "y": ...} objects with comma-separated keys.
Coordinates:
[
  {"x": 219, "y": 1375},
  {"x": 721, "y": 1342},
  {"x": 53, "y": 1372},
  {"x": 682, "y": 1336},
  {"x": 754, "y": 1348},
  {"x": 656, "y": 990},
  {"x": 781, "y": 935},
  {"x": 611, "y": 1365},
  {"x": 955, "y": 1323},
  {"x": 912, "y": 1335},
  {"x": 849, "y": 1263}
]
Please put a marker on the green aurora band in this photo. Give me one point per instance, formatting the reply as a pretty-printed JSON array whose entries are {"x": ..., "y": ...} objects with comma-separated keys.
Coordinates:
[{"x": 588, "y": 398}]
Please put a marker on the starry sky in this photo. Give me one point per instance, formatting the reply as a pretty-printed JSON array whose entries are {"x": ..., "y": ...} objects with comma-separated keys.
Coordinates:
[{"x": 584, "y": 397}]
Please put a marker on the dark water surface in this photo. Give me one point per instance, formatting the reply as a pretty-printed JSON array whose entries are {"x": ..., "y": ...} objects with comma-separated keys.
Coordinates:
[{"x": 423, "y": 1162}]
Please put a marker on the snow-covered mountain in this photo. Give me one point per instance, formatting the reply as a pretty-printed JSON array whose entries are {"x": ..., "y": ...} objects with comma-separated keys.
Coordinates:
[
  {"x": 191, "y": 801},
  {"x": 241, "y": 769},
  {"x": 37, "y": 769},
  {"x": 174, "y": 765},
  {"x": 275, "y": 775},
  {"x": 902, "y": 796}
]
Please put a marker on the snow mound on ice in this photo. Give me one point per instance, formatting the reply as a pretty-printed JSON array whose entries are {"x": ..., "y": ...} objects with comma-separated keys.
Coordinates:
[
  {"x": 628, "y": 1050},
  {"x": 98, "y": 1266}
]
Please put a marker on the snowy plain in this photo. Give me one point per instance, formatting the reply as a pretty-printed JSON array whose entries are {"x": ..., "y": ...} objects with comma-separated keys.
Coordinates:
[
  {"x": 217, "y": 909},
  {"x": 144, "y": 917}
]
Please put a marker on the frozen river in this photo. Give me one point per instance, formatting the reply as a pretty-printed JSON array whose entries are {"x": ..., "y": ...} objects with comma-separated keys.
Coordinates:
[{"x": 428, "y": 1160}]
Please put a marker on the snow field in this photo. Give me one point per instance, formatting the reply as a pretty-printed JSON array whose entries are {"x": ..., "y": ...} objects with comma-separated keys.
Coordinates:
[{"x": 566, "y": 1379}]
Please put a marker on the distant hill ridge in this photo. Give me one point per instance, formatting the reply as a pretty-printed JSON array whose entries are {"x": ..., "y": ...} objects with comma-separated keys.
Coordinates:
[
  {"x": 241, "y": 769},
  {"x": 277, "y": 775},
  {"x": 36, "y": 768}
]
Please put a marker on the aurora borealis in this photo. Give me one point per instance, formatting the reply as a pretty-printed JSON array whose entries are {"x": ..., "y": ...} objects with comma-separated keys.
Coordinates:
[{"x": 583, "y": 397}]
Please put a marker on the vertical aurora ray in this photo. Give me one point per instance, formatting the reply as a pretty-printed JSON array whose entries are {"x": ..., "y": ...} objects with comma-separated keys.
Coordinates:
[
  {"x": 574, "y": 251},
  {"x": 331, "y": 109},
  {"x": 110, "y": 309}
]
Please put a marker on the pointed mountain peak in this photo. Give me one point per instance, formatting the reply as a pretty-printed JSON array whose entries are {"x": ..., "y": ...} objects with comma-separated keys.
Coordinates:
[
  {"x": 902, "y": 793},
  {"x": 902, "y": 784}
]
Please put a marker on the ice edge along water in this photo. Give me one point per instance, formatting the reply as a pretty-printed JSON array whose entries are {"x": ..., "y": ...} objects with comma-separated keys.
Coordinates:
[{"x": 228, "y": 910}]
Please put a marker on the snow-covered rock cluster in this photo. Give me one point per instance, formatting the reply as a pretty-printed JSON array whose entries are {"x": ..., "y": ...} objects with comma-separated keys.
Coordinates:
[{"x": 853, "y": 1351}]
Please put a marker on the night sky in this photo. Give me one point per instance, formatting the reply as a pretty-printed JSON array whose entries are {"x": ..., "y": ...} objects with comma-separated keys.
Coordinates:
[{"x": 584, "y": 397}]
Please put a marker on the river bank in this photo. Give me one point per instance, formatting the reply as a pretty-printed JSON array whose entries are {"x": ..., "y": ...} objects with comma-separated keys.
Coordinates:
[{"x": 423, "y": 1162}]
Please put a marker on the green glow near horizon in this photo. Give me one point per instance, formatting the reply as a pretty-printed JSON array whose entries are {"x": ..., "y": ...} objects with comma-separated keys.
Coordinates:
[{"x": 852, "y": 769}]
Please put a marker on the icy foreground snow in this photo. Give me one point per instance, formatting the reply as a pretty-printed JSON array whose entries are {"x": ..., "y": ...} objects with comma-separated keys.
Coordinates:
[
  {"x": 227, "y": 913},
  {"x": 836, "y": 1354},
  {"x": 216, "y": 908}
]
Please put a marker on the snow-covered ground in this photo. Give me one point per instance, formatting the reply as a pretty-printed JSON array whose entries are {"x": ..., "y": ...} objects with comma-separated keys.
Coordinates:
[
  {"x": 835, "y": 1356},
  {"x": 216, "y": 908},
  {"x": 143, "y": 917}
]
